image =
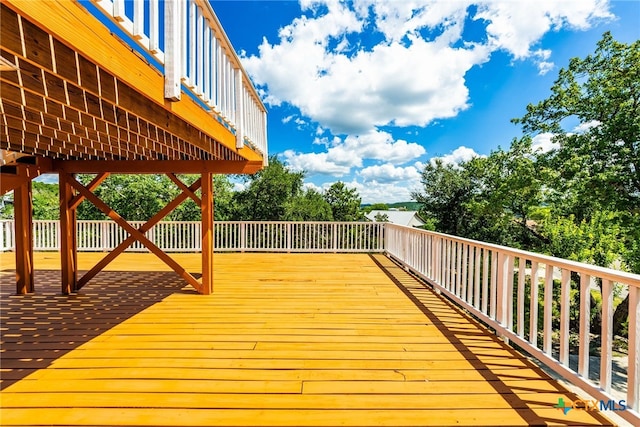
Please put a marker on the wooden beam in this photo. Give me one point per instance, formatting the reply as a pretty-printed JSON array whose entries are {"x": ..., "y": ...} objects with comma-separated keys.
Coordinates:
[
  {"x": 23, "y": 217},
  {"x": 102, "y": 206},
  {"x": 181, "y": 185},
  {"x": 157, "y": 166},
  {"x": 75, "y": 202},
  {"x": 23, "y": 174},
  {"x": 68, "y": 238},
  {"x": 206, "y": 208},
  {"x": 129, "y": 240}
]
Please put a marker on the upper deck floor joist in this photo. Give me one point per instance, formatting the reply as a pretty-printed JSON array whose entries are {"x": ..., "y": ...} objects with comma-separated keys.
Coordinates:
[{"x": 70, "y": 90}]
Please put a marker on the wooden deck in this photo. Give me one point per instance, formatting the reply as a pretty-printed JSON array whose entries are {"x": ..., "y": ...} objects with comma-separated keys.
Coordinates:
[{"x": 284, "y": 340}]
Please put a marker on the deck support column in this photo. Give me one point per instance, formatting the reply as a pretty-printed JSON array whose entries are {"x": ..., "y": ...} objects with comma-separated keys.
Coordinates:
[
  {"x": 206, "y": 208},
  {"x": 68, "y": 238},
  {"x": 23, "y": 214}
]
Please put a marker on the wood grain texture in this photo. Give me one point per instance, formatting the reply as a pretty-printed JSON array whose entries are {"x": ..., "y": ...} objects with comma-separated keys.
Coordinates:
[{"x": 285, "y": 339}]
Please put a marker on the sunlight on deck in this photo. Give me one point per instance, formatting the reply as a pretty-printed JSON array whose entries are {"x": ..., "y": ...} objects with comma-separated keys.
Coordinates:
[{"x": 285, "y": 339}]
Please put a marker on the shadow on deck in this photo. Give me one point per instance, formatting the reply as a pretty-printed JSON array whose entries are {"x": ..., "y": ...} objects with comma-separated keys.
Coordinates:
[{"x": 286, "y": 339}]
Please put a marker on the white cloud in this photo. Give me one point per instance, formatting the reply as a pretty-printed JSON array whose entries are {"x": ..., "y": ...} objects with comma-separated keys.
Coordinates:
[
  {"x": 388, "y": 173},
  {"x": 416, "y": 73},
  {"x": 239, "y": 186},
  {"x": 584, "y": 127},
  {"x": 541, "y": 58},
  {"x": 385, "y": 192},
  {"x": 388, "y": 84},
  {"x": 344, "y": 154},
  {"x": 316, "y": 163},
  {"x": 543, "y": 143},
  {"x": 377, "y": 145},
  {"x": 517, "y": 25},
  {"x": 323, "y": 64},
  {"x": 47, "y": 178},
  {"x": 457, "y": 156}
]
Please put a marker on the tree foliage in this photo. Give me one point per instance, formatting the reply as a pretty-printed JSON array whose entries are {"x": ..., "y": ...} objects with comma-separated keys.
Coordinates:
[
  {"x": 447, "y": 193},
  {"x": 581, "y": 199},
  {"x": 308, "y": 206},
  {"x": 267, "y": 193},
  {"x": 600, "y": 94},
  {"x": 45, "y": 201},
  {"x": 139, "y": 197},
  {"x": 344, "y": 202}
]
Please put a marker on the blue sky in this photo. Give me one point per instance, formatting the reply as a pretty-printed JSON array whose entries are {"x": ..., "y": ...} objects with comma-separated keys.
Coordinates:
[{"x": 367, "y": 92}]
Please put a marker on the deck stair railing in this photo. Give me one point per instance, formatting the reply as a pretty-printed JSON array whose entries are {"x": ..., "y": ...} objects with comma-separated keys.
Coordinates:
[
  {"x": 526, "y": 297},
  {"x": 185, "y": 37}
]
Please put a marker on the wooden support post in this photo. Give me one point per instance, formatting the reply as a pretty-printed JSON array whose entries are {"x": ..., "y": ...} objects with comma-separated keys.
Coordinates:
[
  {"x": 68, "y": 238},
  {"x": 22, "y": 199},
  {"x": 206, "y": 207}
]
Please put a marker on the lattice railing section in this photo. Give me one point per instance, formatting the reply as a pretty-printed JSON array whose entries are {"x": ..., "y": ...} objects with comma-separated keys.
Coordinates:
[{"x": 186, "y": 38}]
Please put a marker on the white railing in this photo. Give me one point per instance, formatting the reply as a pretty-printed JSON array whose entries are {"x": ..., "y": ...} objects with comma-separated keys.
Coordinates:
[
  {"x": 187, "y": 39},
  {"x": 494, "y": 283},
  {"x": 7, "y": 236},
  {"x": 185, "y": 236},
  {"x": 299, "y": 236}
]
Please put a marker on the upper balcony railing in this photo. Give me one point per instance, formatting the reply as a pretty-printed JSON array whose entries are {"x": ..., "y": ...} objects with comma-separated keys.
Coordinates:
[
  {"x": 186, "y": 39},
  {"x": 527, "y": 298}
]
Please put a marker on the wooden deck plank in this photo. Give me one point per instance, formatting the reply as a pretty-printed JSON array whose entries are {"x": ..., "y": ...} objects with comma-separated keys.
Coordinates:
[
  {"x": 294, "y": 339},
  {"x": 271, "y": 401},
  {"x": 280, "y": 417}
]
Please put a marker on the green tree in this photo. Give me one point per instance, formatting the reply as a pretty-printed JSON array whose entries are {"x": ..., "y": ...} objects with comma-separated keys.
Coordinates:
[
  {"x": 139, "y": 197},
  {"x": 602, "y": 94},
  {"x": 508, "y": 190},
  {"x": 447, "y": 190},
  {"x": 45, "y": 201},
  {"x": 134, "y": 197},
  {"x": 375, "y": 207},
  {"x": 308, "y": 206},
  {"x": 344, "y": 202},
  {"x": 380, "y": 217},
  {"x": 223, "y": 193},
  {"x": 490, "y": 198},
  {"x": 267, "y": 194},
  {"x": 594, "y": 171}
]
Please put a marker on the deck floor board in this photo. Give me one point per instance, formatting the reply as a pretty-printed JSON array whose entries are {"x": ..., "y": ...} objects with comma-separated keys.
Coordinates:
[{"x": 284, "y": 340}]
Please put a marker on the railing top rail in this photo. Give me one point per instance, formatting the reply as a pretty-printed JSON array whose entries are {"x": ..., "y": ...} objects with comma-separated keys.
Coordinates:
[
  {"x": 578, "y": 267},
  {"x": 299, "y": 222}
]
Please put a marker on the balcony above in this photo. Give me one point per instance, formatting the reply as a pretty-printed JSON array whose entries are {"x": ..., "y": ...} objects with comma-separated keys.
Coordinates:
[{"x": 84, "y": 81}]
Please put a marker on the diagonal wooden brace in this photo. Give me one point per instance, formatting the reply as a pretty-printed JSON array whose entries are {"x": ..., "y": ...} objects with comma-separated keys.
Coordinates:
[
  {"x": 75, "y": 202},
  {"x": 181, "y": 185},
  {"x": 102, "y": 206},
  {"x": 129, "y": 240}
]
